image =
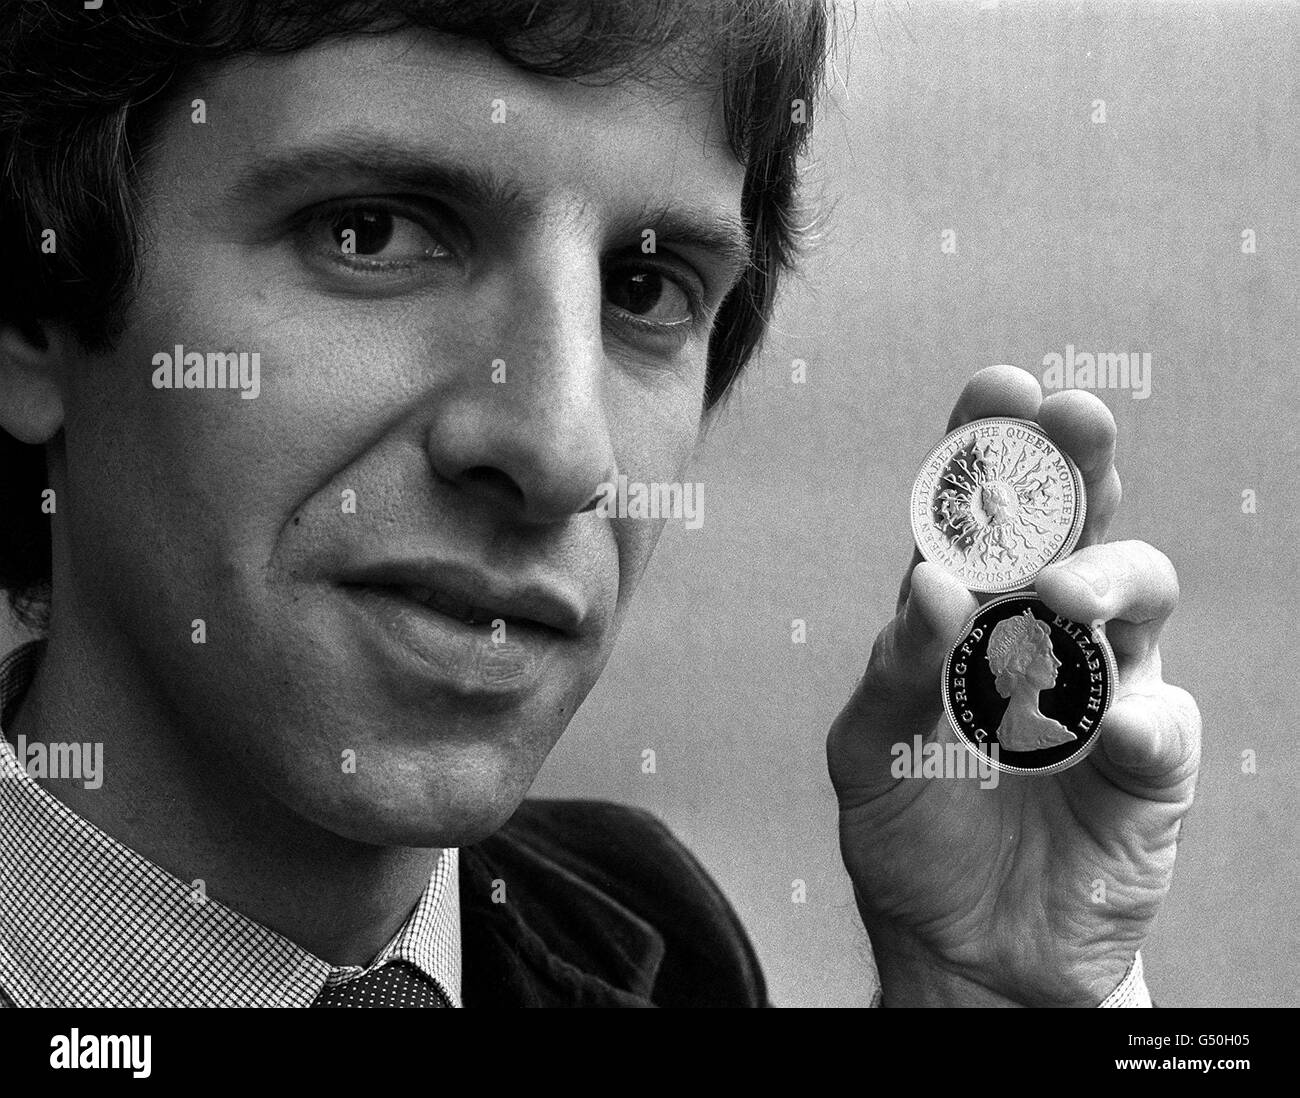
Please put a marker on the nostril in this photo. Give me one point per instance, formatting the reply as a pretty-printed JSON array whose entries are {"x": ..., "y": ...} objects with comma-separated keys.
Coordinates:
[{"x": 494, "y": 480}]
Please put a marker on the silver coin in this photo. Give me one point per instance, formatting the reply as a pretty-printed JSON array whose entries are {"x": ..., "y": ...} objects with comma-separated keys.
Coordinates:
[
  {"x": 1026, "y": 689},
  {"x": 996, "y": 502}
]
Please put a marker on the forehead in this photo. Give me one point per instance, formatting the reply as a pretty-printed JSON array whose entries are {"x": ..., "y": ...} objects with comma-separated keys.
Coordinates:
[{"x": 448, "y": 99}]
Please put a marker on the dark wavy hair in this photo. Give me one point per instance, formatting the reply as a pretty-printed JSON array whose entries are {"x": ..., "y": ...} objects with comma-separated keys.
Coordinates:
[{"x": 80, "y": 90}]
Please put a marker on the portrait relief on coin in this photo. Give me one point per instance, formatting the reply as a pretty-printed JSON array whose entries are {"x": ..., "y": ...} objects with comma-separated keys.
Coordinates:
[
  {"x": 1032, "y": 683},
  {"x": 995, "y": 503}
]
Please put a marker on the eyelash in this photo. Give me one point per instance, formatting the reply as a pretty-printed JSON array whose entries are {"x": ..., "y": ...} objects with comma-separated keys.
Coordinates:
[
  {"x": 319, "y": 216},
  {"x": 694, "y": 298}
]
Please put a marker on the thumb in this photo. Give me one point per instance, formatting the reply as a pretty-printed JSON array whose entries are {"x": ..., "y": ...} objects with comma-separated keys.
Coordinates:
[{"x": 899, "y": 696}]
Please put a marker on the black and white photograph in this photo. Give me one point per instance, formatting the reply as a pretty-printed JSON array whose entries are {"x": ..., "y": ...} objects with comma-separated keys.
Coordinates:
[{"x": 628, "y": 503}]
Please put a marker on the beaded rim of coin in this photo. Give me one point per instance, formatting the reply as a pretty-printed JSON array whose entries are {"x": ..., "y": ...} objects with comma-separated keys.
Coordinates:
[
  {"x": 1109, "y": 676},
  {"x": 965, "y": 508}
]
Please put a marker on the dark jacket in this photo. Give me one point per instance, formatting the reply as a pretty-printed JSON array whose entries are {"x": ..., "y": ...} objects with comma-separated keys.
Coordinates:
[{"x": 585, "y": 903}]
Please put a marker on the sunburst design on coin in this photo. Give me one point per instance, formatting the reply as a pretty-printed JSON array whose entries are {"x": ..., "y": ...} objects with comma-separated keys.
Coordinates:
[{"x": 996, "y": 502}]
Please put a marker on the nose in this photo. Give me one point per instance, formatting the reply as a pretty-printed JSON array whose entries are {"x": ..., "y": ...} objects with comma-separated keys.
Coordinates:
[{"x": 523, "y": 425}]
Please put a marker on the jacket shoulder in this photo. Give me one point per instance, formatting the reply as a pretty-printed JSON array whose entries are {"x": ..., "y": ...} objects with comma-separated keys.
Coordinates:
[{"x": 634, "y": 862}]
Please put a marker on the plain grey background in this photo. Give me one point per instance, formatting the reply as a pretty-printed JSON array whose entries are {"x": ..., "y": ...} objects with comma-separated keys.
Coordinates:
[{"x": 1119, "y": 236}]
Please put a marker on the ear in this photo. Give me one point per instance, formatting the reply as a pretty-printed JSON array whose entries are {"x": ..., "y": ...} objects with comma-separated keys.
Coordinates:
[{"x": 31, "y": 381}]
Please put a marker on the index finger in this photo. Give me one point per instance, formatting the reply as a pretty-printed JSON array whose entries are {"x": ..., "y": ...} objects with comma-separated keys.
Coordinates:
[{"x": 997, "y": 391}]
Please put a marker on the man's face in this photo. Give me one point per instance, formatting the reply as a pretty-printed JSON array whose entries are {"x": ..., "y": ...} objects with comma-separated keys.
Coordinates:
[{"x": 459, "y": 330}]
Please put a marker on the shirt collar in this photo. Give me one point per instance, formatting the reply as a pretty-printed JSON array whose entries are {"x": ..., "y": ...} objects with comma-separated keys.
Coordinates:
[{"x": 89, "y": 922}]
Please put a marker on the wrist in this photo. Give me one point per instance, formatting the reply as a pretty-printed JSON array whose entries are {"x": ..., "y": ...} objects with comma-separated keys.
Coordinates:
[
  {"x": 912, "y": 975},
  {"x": 1132, "y": 991}
]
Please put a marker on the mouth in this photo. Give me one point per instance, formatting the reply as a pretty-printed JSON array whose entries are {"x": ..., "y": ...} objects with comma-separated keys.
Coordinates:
[
  {"x": 470, "y": 596},
  {"x": 462, "y": 630},
  {"x": 456, "y": 609}
]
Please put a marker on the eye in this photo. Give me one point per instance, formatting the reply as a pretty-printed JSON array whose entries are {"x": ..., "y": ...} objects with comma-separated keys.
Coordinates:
[
  {"x": 366, "y": 232},
  {"x": 370, "y": 237},
  {"x": 651, "y": 296}
]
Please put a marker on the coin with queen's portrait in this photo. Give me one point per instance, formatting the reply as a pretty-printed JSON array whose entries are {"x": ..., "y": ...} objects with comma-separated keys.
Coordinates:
[{"x": 1030, "y": 683}]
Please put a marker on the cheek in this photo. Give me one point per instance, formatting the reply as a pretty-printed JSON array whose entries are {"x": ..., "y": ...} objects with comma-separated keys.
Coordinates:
[
  {"x": 636, "y": 540},
  {"x": 655, "y": 430},
  {"x": 208, "y": 468}
]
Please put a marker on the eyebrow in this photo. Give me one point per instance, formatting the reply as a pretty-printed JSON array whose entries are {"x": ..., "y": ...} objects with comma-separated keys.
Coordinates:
[
  {"x": 288, "y": 169},
  {"x": 722, "y": 234}
]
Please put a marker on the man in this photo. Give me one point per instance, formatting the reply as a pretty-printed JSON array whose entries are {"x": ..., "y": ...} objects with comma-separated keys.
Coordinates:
[{"x": 349, "y": 313}]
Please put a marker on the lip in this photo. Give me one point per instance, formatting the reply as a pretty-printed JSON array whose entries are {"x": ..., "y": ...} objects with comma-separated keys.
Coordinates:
[
  {"x": 543, "y": 603},
  {"x": 416, "y": 613}
]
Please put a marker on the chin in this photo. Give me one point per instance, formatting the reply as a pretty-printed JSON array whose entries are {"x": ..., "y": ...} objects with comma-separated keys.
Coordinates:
[{"x": 454, "y": 810}]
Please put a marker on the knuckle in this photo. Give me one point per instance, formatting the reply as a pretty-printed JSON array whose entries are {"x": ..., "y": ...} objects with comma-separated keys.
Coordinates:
[
  {"x": 1190, "y": 726},
  {"x": 1148, "y": 563},
  {"x": 893, "y": 668},
  {"x": 1186, "y": 705},
  {"x": 1184, "y": 716}
]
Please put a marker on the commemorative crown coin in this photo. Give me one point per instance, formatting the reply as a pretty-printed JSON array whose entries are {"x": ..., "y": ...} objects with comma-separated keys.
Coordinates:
[
  {"x": 996, "y": 502},
  {"x": 1030, "y": 683}
]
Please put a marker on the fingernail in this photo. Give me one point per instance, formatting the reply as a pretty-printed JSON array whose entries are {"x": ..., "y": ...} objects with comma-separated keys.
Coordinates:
[
  {"x": 1093, "y": 577},
  {"x": 913, "y": 619},
  {"x": 909, "y": 608}
]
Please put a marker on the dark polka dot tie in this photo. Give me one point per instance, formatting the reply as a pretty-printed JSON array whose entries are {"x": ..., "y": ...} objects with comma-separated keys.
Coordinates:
[{"x": 393, "y": 984}]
